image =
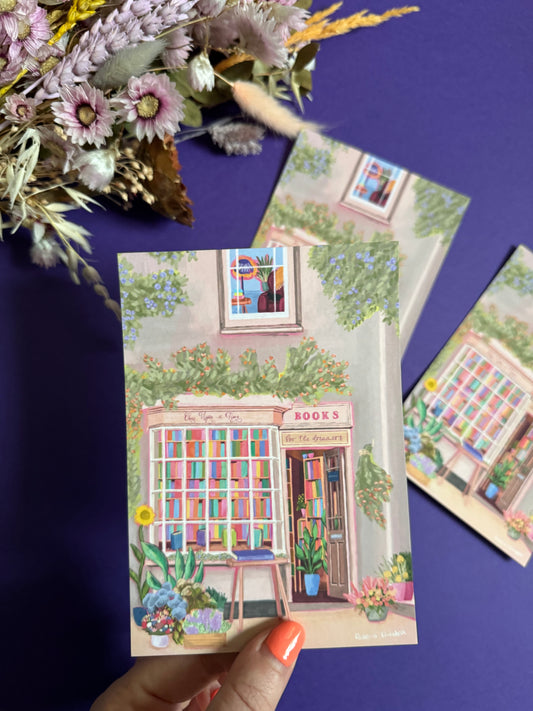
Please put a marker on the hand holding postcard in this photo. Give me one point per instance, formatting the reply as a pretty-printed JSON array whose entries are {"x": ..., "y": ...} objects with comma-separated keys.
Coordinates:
[
  {"x": 266, "y": 471},
  {"x": 469, "y": 421}
]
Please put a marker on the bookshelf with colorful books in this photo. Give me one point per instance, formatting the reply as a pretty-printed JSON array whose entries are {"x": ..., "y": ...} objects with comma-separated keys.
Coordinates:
[
  {"x": 476, "y": 401},
  {"x": 214, "y": 485},
  {"x": 313, "y": 466}
]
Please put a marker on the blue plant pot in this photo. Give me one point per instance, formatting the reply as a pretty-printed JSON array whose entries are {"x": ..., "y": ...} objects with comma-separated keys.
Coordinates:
[
  {"x": 491, "y": 491},
  {"x": 138, "y": 614},
  {"x": 312, "y": 581}
]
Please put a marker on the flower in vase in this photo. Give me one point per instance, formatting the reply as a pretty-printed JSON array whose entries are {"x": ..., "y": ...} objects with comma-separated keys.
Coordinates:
[
  {"x": 519, "y": 522},
  {"x": 152, "y": 104},
  {"x": 144, "y": 515}
]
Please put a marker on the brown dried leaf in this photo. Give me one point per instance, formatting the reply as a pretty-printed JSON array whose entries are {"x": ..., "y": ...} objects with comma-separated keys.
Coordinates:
[{"x": 166, "y": 185}]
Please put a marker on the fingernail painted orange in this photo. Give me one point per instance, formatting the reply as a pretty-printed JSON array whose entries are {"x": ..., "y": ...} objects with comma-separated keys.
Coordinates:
[
  {"x": 285, "y": 641},
  {"x": 214, "y": 693}
]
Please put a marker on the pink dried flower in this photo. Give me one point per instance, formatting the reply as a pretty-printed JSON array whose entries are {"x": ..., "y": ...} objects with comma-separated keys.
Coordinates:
[
  {"x": 34, "y": 30},
  {"x": 18, "y": 108},
  {"x": 152, "y": 104},
  {"x": 11, "y": 11},
  {"x": 85, "y": 114},
  {"x": 12, "y": 58},
  {"x": 44, "y": 59}
]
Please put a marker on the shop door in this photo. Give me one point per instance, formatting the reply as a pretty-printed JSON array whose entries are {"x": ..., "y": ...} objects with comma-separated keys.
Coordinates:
[{"x": 337, "y": 552}]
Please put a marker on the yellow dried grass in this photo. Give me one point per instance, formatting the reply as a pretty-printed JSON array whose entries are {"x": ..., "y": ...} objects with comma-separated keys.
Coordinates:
[
  {"x": 232, "y": 60},
  {"x": 323, "y": 29}
]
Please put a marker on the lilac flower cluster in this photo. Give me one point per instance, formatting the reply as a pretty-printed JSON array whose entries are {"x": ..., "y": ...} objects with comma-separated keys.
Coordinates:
[{"x": 203, "y": 621}]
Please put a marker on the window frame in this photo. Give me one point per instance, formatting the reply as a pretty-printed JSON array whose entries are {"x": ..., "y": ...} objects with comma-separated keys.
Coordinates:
[
  {"x": 158, "y": 496},
  {"x": 367, "y": 208},
  {"x": 275, "y": 323}
]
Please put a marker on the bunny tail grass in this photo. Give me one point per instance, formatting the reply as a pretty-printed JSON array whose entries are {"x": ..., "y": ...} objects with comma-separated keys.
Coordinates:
[{"x": 255, "y": 102}]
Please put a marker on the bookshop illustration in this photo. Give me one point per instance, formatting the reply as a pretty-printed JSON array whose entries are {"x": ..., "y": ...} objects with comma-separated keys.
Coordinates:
[
  {"x": 255, "y": 488},
  {"x": 474, "y": 426}
]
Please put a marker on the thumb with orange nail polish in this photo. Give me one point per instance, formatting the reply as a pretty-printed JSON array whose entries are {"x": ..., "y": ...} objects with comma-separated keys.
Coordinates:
[{"x": 261, "y": 671}]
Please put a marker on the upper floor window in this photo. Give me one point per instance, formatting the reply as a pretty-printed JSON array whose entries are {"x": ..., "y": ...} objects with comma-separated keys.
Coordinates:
[
  {"x": 259, "y": 290},
  {"x": 375, "y": 187}
]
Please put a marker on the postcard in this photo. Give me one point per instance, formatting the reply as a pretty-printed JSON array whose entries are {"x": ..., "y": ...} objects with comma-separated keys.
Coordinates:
[
  {"x": 266, "y": 469},
  {"x": 330, "y": 192},
  {"x": 469, "y": 421}
]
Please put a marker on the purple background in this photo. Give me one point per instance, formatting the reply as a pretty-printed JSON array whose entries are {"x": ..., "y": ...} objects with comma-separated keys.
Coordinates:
[{"x": 446, "y": 93}]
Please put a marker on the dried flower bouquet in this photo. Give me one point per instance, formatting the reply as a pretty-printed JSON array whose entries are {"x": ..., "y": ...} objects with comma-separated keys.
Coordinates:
[{"x": 93, "y": 93}]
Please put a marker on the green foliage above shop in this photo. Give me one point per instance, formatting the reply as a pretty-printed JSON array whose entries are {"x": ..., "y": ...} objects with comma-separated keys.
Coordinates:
[
  {"x": 308, "y": 373},
  {"x": 306, "y": 159},
  {"x": 439, "y": 210},
  {"x": 512, "y": 332},
  {"x": 516, "y": 275},
  {"x": 315, "y": 219},
  {"x": 360, "y": 283},
  {"x": 154, "y": 294}
]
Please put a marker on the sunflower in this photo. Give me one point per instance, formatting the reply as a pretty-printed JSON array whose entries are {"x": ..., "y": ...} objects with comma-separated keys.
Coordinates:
[
  {"x": 144, "y": 515},
  {"x": 430, "y": 384}
]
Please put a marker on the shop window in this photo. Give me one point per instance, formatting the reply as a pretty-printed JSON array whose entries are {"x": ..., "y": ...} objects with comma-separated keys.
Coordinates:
[
  {"x": 259, "y": 290},
  {"x": 478, "y": 403},
  {"x": 216, "y": 489},
  {"x": 375, "y": 187}
]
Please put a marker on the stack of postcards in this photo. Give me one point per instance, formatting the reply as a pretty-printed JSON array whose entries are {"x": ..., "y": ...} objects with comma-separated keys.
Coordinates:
[{"x": 266, "y": 436}]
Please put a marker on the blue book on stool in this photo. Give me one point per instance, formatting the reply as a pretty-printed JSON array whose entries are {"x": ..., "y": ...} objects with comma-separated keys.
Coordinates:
[
  {"x": 176, "y": 540},
  {"x": 257, "y": 554}
]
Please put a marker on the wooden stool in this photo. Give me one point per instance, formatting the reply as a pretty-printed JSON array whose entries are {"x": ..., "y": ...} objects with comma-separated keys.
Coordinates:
[{"x": 238, "y": 575}]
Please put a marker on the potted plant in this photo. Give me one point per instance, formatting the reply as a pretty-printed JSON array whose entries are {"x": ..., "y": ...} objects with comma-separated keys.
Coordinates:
[
  {"x": 374, "y": 598},
  {"x": 300, "y": 504},
  {"x": 518, "y": 524},
  {"x": 398, "y": 572},
  {"x": 311, "y": 556},
  {"x": 165, "y": 609},
  {"x": 498, "y": 479}
]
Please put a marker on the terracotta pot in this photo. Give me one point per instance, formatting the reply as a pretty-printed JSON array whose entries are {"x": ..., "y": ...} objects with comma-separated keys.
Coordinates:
[{"x": 209, "y": 639}]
